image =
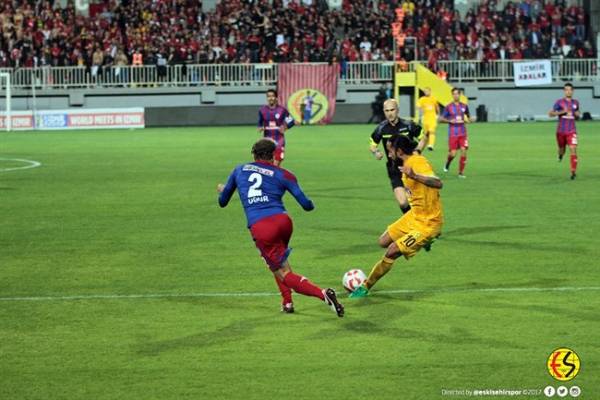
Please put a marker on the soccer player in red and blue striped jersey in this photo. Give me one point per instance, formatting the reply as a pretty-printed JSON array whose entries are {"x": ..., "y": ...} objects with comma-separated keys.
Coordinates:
[
  {"x": 273, "y": 121},
  {"x": 456, "y": 114},
  {"x": 567, "y": 111},
  {"x": 261, "y": 186}
]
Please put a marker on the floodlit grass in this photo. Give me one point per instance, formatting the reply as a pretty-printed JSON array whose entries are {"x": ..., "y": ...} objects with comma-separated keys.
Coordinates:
[{"x": 114, "y": 214}]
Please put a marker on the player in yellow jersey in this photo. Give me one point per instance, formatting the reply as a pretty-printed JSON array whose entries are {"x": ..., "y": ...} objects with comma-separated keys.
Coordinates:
[
  {"x": 419, "y": 226},
  {"x": 430, "y": 110}
]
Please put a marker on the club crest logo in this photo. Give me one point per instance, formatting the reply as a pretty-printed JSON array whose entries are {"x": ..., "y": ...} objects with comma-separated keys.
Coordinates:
[{"x": 563, "y": 364}]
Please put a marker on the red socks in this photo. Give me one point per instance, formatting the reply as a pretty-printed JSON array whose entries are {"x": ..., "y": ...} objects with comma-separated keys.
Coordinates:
[
  {"x": 448, "y": 161},
  {"x": 302, "y": 285},
  {"x": 285, "y": 291},
  {"x": 461, "y": 165},
  {"x": 573, "y": 163}
]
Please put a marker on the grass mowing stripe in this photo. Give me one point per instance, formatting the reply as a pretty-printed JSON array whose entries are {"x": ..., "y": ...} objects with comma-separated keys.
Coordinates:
[{"x": 164, "y": 296}]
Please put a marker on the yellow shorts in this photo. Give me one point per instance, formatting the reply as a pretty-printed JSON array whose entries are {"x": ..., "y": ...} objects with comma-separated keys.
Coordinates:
[
  {"x": 429, "y": 125},
  {"x": 410, "y": 235}
]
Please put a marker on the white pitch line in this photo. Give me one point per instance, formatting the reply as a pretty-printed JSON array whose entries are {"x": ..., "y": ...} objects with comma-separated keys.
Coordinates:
[
  {"x": 134, "y": 296},
  {"x": 266, "y": 294},
  {"x": 500, "y": 289},
  {"x": 32, "y": 164}
]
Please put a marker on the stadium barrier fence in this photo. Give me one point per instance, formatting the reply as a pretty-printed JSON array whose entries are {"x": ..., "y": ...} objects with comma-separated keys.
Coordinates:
[{"x": 353, "y": 73}]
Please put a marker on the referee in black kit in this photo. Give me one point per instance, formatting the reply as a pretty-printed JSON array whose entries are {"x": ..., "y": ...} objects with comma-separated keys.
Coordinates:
[{"x": 385, "y": 132}]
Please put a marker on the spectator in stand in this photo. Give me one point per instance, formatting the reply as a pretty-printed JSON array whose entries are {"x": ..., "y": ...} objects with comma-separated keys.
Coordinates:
[
  {"x": 97, "y": 62},
  {"x": 285, "y": 30},
  {"x": 161, "y": 66},
  {"x": 120, "y": 64}
]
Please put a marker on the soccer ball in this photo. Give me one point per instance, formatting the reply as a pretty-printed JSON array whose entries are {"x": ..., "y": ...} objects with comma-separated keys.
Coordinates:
[{"x": 353, "y": 279}]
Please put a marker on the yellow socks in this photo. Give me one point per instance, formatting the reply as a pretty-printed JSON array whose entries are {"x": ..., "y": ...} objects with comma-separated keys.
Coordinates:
[
  {"x": 431, "y": 141},
  {"x": 379, "y": 270}
]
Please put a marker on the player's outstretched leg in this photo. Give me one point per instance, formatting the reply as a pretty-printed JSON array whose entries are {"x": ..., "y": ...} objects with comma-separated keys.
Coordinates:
[
  {"x": 279, "y": 154},
  {"x": 451, "y": 155},
  {"x": 561, "y": 153},
  {"x": 462, "y": 163},
  {"x": 302, "y": 285},
  {"x": 380, "y": 268},
  {"x": 573, "y": 150},
  {"x": 287, "y": 305},
  {"x": 431, "y": 140},
  {"x": 332, "y": 301}
]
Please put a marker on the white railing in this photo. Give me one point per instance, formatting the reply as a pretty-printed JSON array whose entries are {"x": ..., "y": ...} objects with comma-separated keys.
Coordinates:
[
  {"x": 474, "y": 71},
  {"x": 144, "y": 76},
  {"x": 367, "y": 72},
  {"x": 181, "y": 75},
  {"x": 355, "y": 73}
]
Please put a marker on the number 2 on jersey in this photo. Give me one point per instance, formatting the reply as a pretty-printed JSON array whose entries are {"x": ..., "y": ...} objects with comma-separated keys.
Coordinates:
[{"x": 254, "y": 190}]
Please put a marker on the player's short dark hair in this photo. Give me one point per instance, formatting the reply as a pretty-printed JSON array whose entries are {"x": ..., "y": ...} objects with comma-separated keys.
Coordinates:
[
  {"x": 404, "y": 143},
  {"x": 455, "y": 89},
  {"x": 274, "y": 91},
  {"x": 263, "y": 149},
  {"x": 568, "y": 84}
]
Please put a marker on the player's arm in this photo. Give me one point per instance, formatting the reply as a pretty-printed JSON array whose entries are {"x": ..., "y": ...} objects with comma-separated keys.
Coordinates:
[
  {"x": 418, "y": 133},
  {"x": 374, "y": 142},
  {"x": 437, "y": 108},
  {"x": 422, "y": 142},
  {"x": 227, "y": 190},
  {"x": 445, "y": 117},
  {"x": 424, "y": 176},
  {"x": 553, "y": 113},
  {"x": 420, "y": 109},
  {"x": 577, "y": 113},
  {"x": 288, "y": 120},
  {"x": 291, "y": 184},
  {"x": 374, "y": 150},
  {"x": 420, "y": 115},
  {"x": 261, "y": 122},
  {"x": 468, "y": 117},
  {"x": 557, "y": 110}
]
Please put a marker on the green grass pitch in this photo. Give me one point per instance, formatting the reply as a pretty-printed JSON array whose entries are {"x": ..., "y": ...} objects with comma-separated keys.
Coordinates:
[{"x": 111, "y": 215}]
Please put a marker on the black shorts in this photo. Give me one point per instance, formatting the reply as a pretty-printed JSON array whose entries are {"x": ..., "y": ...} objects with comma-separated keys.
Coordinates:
[{"x": 394, "y": 174}]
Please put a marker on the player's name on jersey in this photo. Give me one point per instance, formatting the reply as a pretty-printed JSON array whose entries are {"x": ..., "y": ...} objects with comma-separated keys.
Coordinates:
[
  {"x": 262, "y": 171},
  {"x": 258, "y": 199}
]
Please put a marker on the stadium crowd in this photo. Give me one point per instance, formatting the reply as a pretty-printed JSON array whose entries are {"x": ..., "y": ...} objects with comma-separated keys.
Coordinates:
[{"x": 161, "y": 32}]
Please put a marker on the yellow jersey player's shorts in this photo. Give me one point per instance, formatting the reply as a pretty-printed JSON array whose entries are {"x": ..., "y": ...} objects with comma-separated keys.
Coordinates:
[
  {"x": 411, "y": 234},
  {"x": 430, "y": 124}
]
